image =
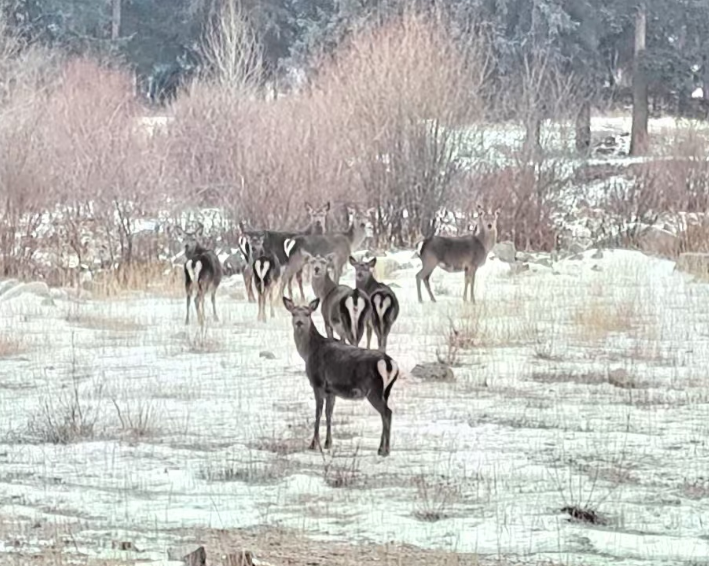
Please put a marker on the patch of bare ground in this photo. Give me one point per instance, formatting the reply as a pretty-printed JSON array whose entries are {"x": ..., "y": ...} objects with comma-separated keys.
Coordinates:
[
  {"x": 619, "y": 378},
  {"x": 696, "y": 489},
  {"x": 281, "y": 547},
  {"x": 11, "y": 346},
  {"x": 251, "y": 472}
]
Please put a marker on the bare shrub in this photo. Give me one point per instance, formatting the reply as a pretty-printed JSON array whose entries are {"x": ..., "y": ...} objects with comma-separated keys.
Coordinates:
[
  {"x": 68, "y": 417},
  {"x": 137, "y": 416},
  {"x": 403, "y": 98},
  {"x": 434, "y": 498},
  {"x": 342, "y": 471}
]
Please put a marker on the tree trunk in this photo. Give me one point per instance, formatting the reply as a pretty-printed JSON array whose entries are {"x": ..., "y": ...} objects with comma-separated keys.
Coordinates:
[
  {"x": 705, "y": 76},
  {"x": 533, "y": 136},
  {"x": 583, "y": 128},
  {"x": 639, "y": 137},
  {"x": 116, "y": 20}
]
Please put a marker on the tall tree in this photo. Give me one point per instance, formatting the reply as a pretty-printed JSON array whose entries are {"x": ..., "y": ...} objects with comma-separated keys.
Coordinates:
[{"x": 639, "y": 137}]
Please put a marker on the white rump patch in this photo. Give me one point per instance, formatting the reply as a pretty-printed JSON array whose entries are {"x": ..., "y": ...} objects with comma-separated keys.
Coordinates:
[
  {"x": 190, "y": 270},
  {"x": 261, "y": 268},
  {"x": 419, "y": 246},
  {"x": 355, "y": 311},
  {"x": 288, "y": 246},
  {"x": 381, "y": 306},
  {"x": 244, "y": 246},
  {"x": 387, "y": 376},
  {"x": 197, "y": 270}
]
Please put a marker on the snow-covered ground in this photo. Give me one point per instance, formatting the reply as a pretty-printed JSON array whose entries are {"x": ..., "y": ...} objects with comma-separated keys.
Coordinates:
[{"x": 579, "y": 385}]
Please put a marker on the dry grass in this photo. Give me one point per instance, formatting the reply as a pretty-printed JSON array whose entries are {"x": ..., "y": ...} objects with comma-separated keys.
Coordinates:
[
  {"x": 11, "y": 346},
  {"x": 598, "y": 319},
  {"x": 156, "y": 278},
  {"x": 249, "y": 472},
  {"x": 102, "y": 322}
]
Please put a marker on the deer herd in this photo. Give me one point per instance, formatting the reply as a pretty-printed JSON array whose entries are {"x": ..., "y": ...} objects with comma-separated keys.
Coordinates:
[{"x": 334, "y": 367}]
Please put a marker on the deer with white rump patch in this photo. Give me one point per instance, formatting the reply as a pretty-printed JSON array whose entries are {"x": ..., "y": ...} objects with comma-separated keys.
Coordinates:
[
  {"x": 456, "y": 254},
  {"x": 344, "y": 310},
  {"x": 266, "y": 272},
  {"x": 385, "y": 305},
  {"x": 203, "y": 270},
  {"x": 273, "y": 243},
  {"x": 340, "y": 244},
  {"x": 336, "y": 369}
]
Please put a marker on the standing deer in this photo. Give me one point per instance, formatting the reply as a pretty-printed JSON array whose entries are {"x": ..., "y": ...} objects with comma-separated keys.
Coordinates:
[
  {"x": 341, "y": 244},
  {"x": 385, "y": 305},
  {"x": 344, "y": 310},
  {"x": 273, "y": 243},
  {"x": 266, "y": 273},
  {"x": 203, "y": 270},
  {"x": 336, "y": 369},
  {"x": 455, "y": 254}
]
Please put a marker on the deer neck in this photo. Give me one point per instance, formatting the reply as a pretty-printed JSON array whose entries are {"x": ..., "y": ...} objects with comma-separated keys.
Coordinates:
[
  {"x": 307, "y": 342},
  {"x": 367, "y": 285},
  {"x": 488, "y": 238},
  {"x": 323, "y": 286}
]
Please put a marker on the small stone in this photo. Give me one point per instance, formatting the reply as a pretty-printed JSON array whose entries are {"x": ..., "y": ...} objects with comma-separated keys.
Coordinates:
[
  {"x": 433, "y": 371},
  {"x": 598, "y": 254},
  {"x": 267, "y": 355},
  {"x": 190, "y": 555},
  {"x": 596, "y": 267},
  {"x": 505, "y": 251}
]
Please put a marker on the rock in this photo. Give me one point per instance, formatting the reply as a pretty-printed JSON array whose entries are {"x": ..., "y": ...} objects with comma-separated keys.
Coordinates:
[
  {"x": 38, "y": 288},
  {"x": 518, "y": 267},
  {"x": 656, "y": 241},
  {"x": 267, "y": 355},
  {"x": 576, "y": 257},
  {"x": 385, "y": 267},
  {"x": 8, "y": 284},
  {"x": 190, "y": 555},
  {"x": 598, "y": 254},
  {"x": 505, "y": 251},
  {"x": 576, "y": 248},
  {"x": 48, "y": 302},
  {"x": 596, "y": 267},
  {"x": 695, "y": 263},
  {"x": 433, "y": 371}
]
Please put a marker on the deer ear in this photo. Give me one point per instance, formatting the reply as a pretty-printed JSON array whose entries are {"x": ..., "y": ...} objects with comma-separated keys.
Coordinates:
[
  {"x": 288, "y": 303},
  {"x": 372, "y": 262},
  {"x": 497, "y": 213},
  {"x": 308, "y": 208},
  {"x": 199, "y": 232},
  {"x": 327, "y": 207},
  {"x": 313, "y": 306},
  {"x": 331, "y": 257},
  {"x": 353, "y": 262}
]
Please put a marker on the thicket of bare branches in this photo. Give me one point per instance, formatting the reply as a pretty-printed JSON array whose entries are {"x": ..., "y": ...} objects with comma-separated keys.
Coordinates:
[{"x": 393, "y": 123}]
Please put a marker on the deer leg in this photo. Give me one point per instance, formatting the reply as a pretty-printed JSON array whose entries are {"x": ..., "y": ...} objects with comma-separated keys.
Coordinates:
[
  {"x": 427, "y": 282},
  {"x": 472, "y": 285},
  {"x": 214, "y": 303},
  {"x": 424, "y": 275},
  {"x": 381, "y": 406},
  {"x": 189, "y": 299},
  {"x": 272, "y": 295},
  {"x": 382, "y": 341},
  {"x": 369, "y": 334},
  {"x": 318, "y": 413},
  {"x": 199, "y": 305},
  {"x": 328, "y": 331},
  {"x": 299, "y": 278},
  {"x": 329, "y": 406},
  {"x": 465, "y": 286},
  {"x": 261, "y": 317},
  {"x": 248, "y": 283}
]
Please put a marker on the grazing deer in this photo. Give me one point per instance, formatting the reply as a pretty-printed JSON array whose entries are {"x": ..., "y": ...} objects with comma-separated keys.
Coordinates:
[
  {"x": 344, "y": 310},
  {"x": 273, "y": 243},
  {"x": 341, "y": 244},
  {"x": 385, "y": 305},
  {"x": 202, "y": 269},
  {"x": 336, "y": 369},
  {"x": 266, "y": 273},
  {"x": 455, "y": 254}
]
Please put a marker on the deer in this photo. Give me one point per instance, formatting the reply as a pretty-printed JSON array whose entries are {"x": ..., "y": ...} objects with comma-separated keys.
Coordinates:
[
  {"x": 344, "y": 310},
  {"x": 341, "y": 244},
  {"x": 336, "y": 369},
  {"x": 266, "y": 273},
  {"x": 455, "y": 254},
  {"x": 203, "y": 270},
  {"x": 273, "y": 243},
  {"x": 385, "y": 305}
]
